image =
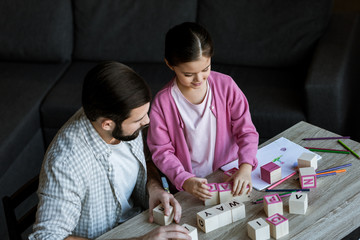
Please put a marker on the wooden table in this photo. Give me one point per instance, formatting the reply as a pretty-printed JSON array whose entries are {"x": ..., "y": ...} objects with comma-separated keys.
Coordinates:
[{"x": 334, "y": 206}]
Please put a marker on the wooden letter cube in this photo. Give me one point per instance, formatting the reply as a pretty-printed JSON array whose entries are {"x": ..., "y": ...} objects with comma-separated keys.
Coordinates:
[
  {"x": 207, "y": 220},
  {"x": 298, "y": 203},
  {"x": 237, "y": 209},
  {"x": 307, "y": 159},
  {"x": 214, "y": 200},
  {"x": 273, "y": 204},
  {"x": 279, "y": 225},
  {"x": 258, "y": 229},
  {"x": 224, "y": 214},
  {"x": 270, "y": 172},
  {"x": 307, "y": 177},
  {"x": 192, "y": 231},
  {"x": 225, "y": 192},
  {"x": 231, "y": 171},
  {"x": 159, "y": 215}
]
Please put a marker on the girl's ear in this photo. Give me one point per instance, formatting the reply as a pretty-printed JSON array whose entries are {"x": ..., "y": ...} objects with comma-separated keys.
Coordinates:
[{"x": 167, "y": 63}]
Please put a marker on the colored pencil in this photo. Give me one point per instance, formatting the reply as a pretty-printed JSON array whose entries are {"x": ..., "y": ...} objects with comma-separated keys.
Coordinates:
[
  {"x": 326, "y": 174},
  {"x": 329, "y": 151},
  {"x": 281, "y": 181},
  {"x": 335, "y": 171},
  {"x": 287, "y": 190},
  {"x": 348, "y": 149},
  {"x": 325, "y": 138},
  {"x": 334, "y": 168},
  {"x": 260, "y": 200}
]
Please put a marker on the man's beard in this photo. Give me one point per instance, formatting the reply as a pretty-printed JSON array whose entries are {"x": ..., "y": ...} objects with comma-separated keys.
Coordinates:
[{"x": 119, "y": 135}]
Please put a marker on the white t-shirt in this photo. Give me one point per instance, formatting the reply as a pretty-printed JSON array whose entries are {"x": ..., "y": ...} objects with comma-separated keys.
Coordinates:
[
  {"x": 200, "y": 130},
  {"x": 125, "y": 169}
]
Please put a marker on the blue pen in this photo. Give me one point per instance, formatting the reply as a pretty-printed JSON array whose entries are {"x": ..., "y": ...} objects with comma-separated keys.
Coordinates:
[{"x": 165, "y": 184}]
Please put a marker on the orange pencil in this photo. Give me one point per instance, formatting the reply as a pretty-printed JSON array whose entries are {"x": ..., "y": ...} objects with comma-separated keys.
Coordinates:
[{"x": 336, "y": 171}]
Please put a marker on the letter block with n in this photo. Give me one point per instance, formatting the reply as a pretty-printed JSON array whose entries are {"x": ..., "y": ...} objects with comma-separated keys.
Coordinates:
[{"x": 307, "y": 177}]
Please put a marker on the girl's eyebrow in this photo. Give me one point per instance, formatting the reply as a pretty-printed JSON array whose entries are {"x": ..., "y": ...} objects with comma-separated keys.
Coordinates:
[{"x": 201, "y": 70}]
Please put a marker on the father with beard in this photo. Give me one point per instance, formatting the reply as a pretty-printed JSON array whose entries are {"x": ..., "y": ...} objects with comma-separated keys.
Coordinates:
[{"x": 96, "y": 173}]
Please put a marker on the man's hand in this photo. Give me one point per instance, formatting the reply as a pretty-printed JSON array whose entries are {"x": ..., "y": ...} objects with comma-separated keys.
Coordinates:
[
  {"x": 157, "y": 196},
  {"x": 171, "y": 231},
  {"x": 197, "y": 187},
  {"x": 241, "y": 179}
]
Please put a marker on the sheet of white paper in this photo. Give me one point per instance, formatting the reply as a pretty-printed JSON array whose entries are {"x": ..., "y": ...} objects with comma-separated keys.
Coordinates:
[{"x": 283, "y": 152}]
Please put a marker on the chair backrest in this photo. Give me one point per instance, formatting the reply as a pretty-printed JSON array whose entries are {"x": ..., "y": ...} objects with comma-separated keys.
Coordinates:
[{"x": 16, "y": 226}]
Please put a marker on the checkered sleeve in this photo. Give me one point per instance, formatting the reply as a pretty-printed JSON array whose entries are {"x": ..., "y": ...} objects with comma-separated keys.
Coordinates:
[{"x": 60, "y": 197}]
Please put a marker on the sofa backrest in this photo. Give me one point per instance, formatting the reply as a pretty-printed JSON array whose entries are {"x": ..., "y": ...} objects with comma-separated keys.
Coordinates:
[
  {"x": 264, "y": 33},
  {"x": 39, "y": 30},
  {"x": 127, "y": 30}
]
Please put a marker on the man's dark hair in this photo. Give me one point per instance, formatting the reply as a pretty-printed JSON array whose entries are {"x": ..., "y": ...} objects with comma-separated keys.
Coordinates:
[
  {"x": 187, "y": 42},
  {"x": 112, "y": 90}
]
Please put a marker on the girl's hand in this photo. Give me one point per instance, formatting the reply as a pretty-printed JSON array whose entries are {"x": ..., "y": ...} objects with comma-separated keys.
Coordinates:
[
  {"x": 197, "y": 187},
  {"x": 241, "y": 180}
]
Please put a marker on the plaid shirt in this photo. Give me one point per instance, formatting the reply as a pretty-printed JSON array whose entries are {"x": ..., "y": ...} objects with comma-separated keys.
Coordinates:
[{"x": 76, "y": 190}]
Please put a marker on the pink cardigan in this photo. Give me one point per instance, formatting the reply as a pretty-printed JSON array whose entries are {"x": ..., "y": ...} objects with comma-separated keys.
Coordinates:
[{"x": 236, "y": 136}]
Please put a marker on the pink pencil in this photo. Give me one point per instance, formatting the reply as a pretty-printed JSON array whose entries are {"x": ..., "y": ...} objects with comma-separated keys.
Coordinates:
[{"x": 282, "y": 180}]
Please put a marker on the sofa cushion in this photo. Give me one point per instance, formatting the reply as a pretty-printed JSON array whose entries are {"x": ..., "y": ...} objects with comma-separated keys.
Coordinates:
[
  {"x": 275, "y": 95},
  {"x": 65, "y": 97},
  {"x": 264, "y": 32},
  {"x": 39, "y": 30},
  {"x": 24, "y": 86},
  {"x": 127, "y": 30}
]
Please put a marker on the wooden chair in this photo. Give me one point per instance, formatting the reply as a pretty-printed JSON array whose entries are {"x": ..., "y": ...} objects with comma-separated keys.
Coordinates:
[{"x": 16, "y": 226}]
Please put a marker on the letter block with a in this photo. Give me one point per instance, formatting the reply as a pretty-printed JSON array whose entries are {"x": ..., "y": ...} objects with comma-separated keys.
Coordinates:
[
  {"x": 279, "y": 225},
  {"x": 258, "y": 229},
  {"x": 270, "y": 172},
  {"x": 307, "y": 177},
  {"x": 273, "y": 204},
  {"x": 224, "y": 214},
  {"x": 159, "y": 215},
  {"x": 307, "y": 159},
  {"x": 214, "y": 200},
  {"x": 298, "y": 203}
]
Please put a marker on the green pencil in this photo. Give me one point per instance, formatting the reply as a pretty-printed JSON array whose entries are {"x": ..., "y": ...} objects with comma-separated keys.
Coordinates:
[
  {"x": 329, "y": 151},
  {"x": 348, "y": 149}
]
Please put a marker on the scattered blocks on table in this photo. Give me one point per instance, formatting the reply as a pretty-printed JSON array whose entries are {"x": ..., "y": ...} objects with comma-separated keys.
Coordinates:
[
  {"x": 192, "y": 231},
  {"x": 258, "y": 229},
  {"x": 273, "y": 204},
  {"x": 279, "y": 225},
  {"x": 307, "y": 177},
  {"x": 224, "y": 214},
  {"x": 215, "y": 195},
  {"x": 225, "y": 192},
  {"x": 237, "y": 209},
  {"x": 270, "y": 172},
  {"x": 207, "y": 220},
  {"x": 307, "y": 159},
  {"x": 231, "y": 171},
  {"x": 298, "y": 203},
  {"x": 160, "y": 217}
]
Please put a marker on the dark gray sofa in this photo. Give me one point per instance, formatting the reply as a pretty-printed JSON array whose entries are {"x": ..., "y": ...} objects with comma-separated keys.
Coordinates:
[{"x": 294, "y": 60}]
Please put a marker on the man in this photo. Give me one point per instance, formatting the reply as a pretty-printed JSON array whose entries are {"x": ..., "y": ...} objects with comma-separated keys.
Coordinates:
[{"x": 94, "y": 174}]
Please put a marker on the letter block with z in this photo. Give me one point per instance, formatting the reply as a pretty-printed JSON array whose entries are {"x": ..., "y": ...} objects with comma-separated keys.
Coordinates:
[
  {"x": 207, "y": 220},
  {"x": 279, "y": 225},
  {"x": 273, "y": 204},
  {"x": 307, "y": 177},
  {"x": 258, "y": 229},
  {"x": 159, "y": 215}
]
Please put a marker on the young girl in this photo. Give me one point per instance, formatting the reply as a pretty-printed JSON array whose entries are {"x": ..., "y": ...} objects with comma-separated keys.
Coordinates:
[{"x": 200, "y": 120}]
